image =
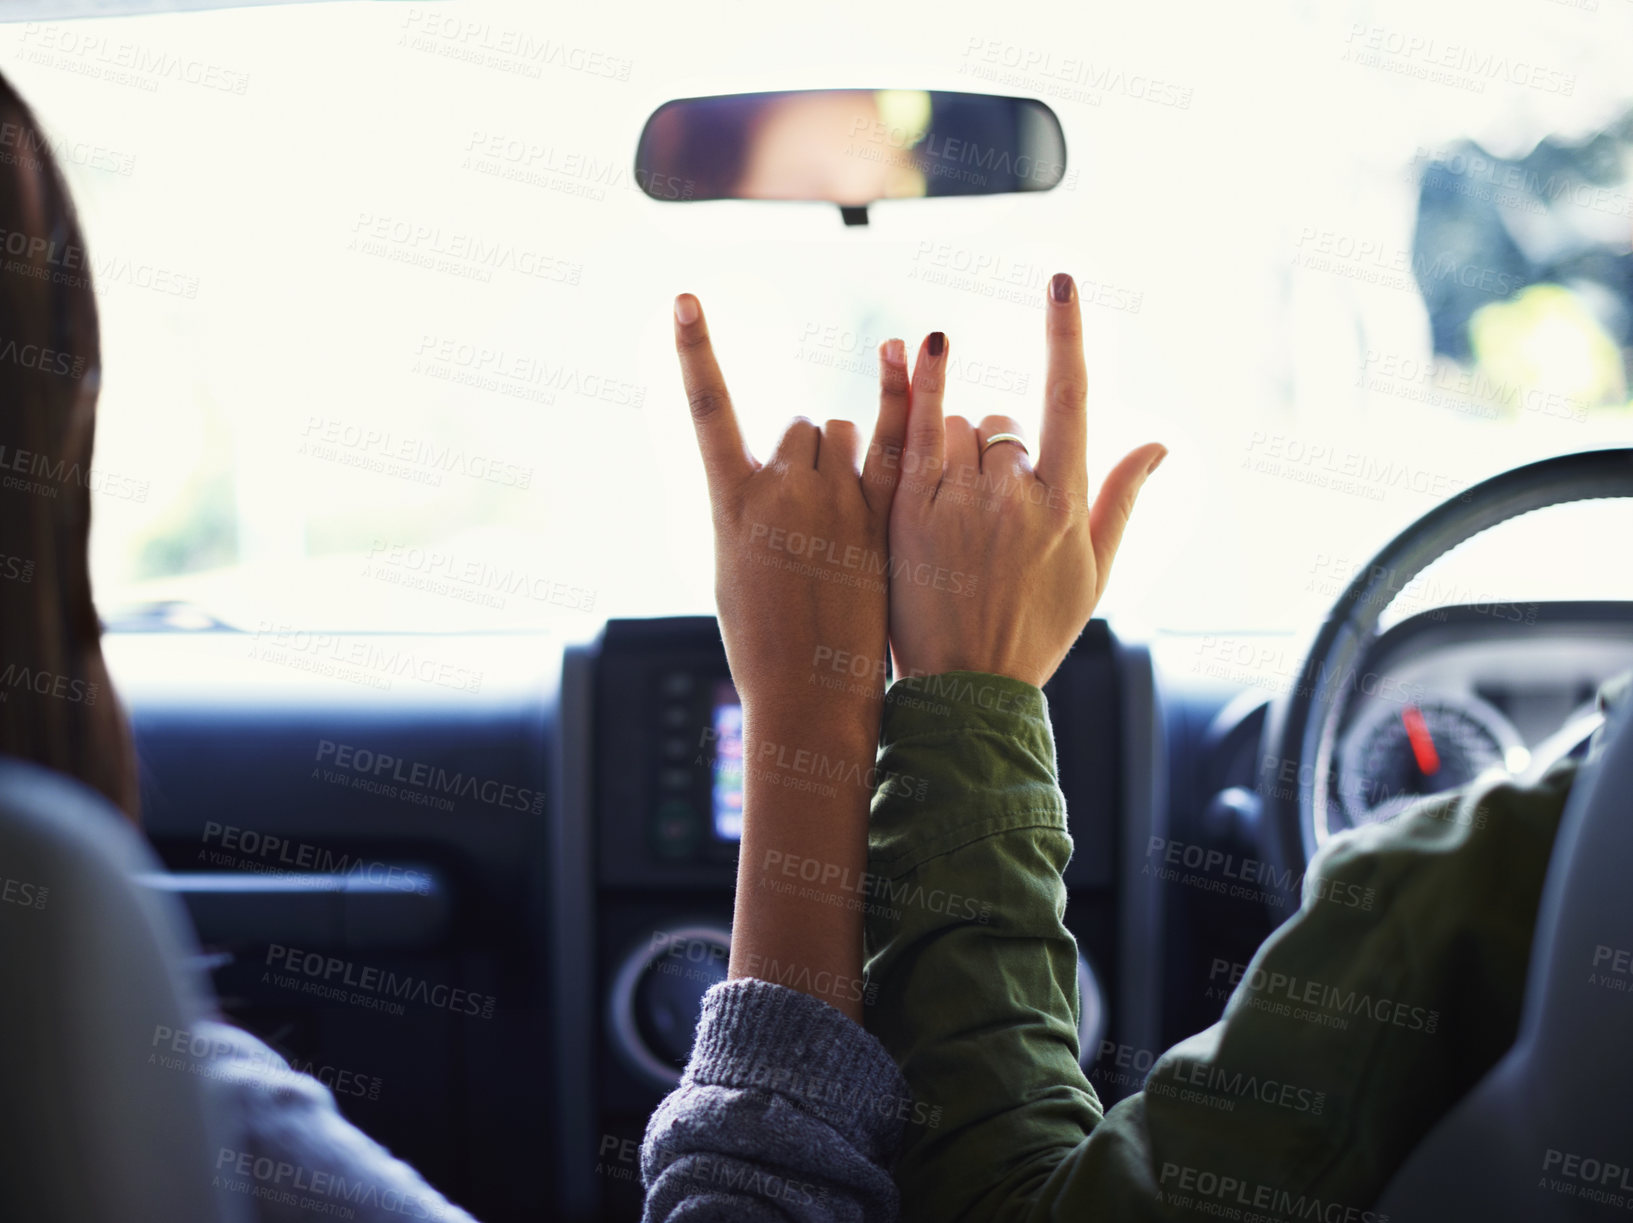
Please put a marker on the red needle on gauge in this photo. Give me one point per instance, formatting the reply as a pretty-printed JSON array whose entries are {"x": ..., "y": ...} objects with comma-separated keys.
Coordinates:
[{"x": 1423, "y": 746}]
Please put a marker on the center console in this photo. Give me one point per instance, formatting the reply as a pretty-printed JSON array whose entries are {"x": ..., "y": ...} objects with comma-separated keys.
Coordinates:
[
  {"x": 654, "y": 872},
  {"x": 669, "y": 748}
]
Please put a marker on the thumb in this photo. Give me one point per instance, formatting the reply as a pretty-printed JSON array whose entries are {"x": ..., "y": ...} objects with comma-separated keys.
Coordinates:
[{"x": 1115, "y": 504}]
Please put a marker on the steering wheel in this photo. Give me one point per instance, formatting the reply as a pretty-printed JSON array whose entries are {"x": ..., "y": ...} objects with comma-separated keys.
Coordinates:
[{"x": 1301, "y": 727}]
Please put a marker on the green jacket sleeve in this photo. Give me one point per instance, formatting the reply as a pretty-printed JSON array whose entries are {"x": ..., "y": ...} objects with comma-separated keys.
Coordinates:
[{"x": 1358, "y": 1023}]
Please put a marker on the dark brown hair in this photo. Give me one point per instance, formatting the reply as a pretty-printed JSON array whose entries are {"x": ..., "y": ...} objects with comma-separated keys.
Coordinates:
[{"x": 56, "y": 705}]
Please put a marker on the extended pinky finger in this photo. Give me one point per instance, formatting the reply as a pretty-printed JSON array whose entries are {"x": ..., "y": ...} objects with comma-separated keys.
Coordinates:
[
  {"x": 883, "y": 469},
  {"x": 926, "y": 436}
]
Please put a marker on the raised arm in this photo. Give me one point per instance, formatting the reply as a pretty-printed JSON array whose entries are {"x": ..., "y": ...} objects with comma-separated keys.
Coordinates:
[
  {"x": 976, "y": 975},
  {"x": 787, "y": 1104},
  {"x": 1352, "y": 1030},
  {"x": 800, "y": 575}
]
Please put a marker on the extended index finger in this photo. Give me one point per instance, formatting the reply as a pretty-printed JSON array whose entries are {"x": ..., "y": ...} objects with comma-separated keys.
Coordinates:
[
  {"x": 1063, "y": 448},
  {"x": 726, "y": 459}
]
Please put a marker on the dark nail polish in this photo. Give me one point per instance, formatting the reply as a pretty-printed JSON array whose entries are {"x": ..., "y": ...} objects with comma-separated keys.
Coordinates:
[
  {"x": 1060, "y": 287},
  {"x": 938, "y": 341}
]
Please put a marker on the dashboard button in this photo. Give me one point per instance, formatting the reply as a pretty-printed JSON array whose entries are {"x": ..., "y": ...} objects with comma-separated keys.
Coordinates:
[
  {"x": 677, "y": 829},
  {"x": 675, "y": 779},
  {"x": 677, "y": 684},
  {"x": 677, "y": 717}
]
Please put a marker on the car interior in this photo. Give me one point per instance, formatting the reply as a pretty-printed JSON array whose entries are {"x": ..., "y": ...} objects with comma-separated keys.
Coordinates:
[{"x": 402, "y": 550}]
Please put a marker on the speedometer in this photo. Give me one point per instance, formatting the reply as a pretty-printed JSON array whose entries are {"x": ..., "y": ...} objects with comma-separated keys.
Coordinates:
[{"x": 1397, "y": 753}]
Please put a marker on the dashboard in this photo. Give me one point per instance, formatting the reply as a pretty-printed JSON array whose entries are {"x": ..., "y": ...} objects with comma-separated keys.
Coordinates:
[
  {"x": 563, "y": 823},
  {"x": 1437, "y": 699},
  {"x": 1454, "y": 694}
]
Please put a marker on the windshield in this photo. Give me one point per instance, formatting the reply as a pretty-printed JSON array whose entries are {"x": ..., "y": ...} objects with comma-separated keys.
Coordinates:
[{"x": 386, "y": 316}]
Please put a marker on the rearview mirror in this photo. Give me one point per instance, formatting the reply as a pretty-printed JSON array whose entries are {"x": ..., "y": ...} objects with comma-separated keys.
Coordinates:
[{"x": 849, "y": 147}]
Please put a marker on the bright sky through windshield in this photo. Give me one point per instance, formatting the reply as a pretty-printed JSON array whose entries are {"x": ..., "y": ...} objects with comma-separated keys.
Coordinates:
[{"x": 386, "y": 320}]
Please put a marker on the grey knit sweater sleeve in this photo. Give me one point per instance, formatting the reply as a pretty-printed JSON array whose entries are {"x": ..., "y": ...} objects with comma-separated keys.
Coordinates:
[{"x": 788, "y": 1110}]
